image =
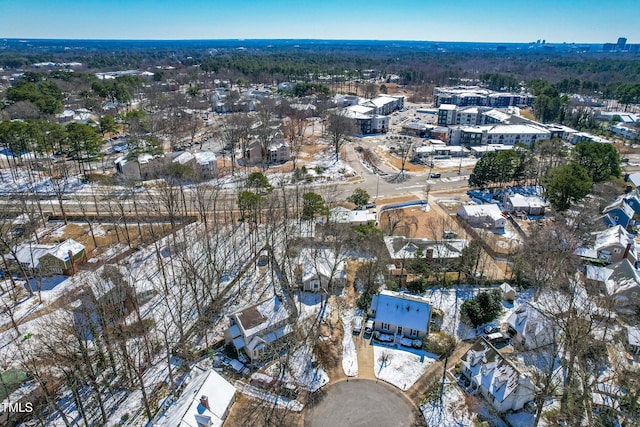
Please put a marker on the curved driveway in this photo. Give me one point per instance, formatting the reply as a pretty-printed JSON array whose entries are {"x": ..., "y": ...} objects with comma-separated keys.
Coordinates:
[{"x": 362, "y": 403}]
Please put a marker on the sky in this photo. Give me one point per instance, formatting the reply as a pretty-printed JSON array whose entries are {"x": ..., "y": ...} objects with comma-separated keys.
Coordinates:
[{"x": 556, "y": 21}]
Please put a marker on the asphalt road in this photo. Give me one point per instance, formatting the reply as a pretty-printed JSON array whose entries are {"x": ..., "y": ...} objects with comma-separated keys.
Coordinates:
[{"x": 364, "y": 403}]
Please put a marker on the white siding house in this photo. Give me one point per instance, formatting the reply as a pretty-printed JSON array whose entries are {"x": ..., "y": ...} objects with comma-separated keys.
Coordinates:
[
  {"x": 488, "y": 215},
  {"x": 497, "y": 379}
]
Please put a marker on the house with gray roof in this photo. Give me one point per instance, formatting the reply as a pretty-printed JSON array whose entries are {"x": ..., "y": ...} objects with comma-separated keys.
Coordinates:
[
  {"x": 259, "y": 328},
  {"x": 400, "y": 314},
  {"x": 500, "y": 382},
  {"x": 59, "y": 258}
]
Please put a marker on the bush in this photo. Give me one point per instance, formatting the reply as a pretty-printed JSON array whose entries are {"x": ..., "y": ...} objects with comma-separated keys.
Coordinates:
[{"x": 439, "y": 343}]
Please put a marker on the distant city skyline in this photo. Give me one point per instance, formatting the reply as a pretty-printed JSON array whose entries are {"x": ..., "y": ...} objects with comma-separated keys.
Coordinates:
[{"x": 555, "y": 21}]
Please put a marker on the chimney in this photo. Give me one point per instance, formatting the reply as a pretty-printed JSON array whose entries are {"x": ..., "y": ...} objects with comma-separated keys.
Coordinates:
[
  {"x": 204, "y": 401},
  {"x": 627, "y": 250}
]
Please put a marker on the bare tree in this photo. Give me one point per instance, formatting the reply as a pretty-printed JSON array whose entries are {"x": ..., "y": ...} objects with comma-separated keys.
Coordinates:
[{"x": 339, "y": 129}]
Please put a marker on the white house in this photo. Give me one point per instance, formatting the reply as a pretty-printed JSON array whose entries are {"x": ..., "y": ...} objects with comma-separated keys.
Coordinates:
[
  {"x": 259, "y": 327},
  {"x": 621, "y": 281},
  {"x": 342, "y": 215},
  {"x": 497, "y": 379},
  {"x": 487, "y": 215},
  {"x": 320, "y": 268},
  {"x": 59, "y": 258},
  {"x": 401, "y": 315},
  {"x": 403, "y": 248},
  {"x": 611, "y": 245},
  {"x": 205, "y": 402},
  {"x": 529, "y": 327},
  {"x": 531, "y": 205}
]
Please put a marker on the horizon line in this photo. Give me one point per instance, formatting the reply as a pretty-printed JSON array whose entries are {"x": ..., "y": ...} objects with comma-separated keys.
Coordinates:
[{"x": 240, "y": 39}]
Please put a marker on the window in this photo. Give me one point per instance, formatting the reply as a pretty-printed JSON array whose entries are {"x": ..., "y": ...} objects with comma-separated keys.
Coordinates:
[
  {"x": 616, "y": 251},
  {"x": 413, "y": 333},
  {"x": 385, "y": 326}
]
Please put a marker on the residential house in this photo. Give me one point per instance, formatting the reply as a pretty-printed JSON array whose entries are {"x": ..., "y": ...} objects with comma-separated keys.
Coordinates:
[
  {"x": 259, "y": 328},
  {"x": 61, "y": 258},
  {"x": 401, "y": 314},
  {"x": 610, "y": 246},
  {"x": 498, "y": 380},
  {"x": 618, "y": 213},
  {"x": 342, "y": 215},
  {"x": 620, "y": 280},
  {"x": 320, "y": 269},
  {"x": 487, "y": 215},
  {"x": 529, "y": 328},
  {"x": 529, "y": 204},
  {"x": 445, "y": 251},
  {"x": 633, "y": 339},
  {"x": 205, "y": 402}
]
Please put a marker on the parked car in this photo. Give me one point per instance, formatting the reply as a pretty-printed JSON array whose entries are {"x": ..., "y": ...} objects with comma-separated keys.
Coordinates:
[
  {"x": 436, "y": 175},
  {"x": 368, "y": 327},
  {"x": 357, "y": 325}
]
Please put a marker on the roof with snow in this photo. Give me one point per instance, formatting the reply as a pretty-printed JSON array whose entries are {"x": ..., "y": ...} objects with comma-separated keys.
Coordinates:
[
  {"x": 29, "y": 254},
  {"x": 489, "y": 368},
  {"x": 261, "y": 317},
  {"x": 624, "y": 277},
  {"x": 634, "y": 178},
  {"x": 620, "y": 203},
  {"x": 518, "y": 201},
  {"x": 320, "y": 262},
  {"x": 506, "y": 288},
  {"x": 401, "y": 247},
  {"x": 528, "y": 321},
  {"x": 205, "y": 157},
  {"x": 343, "y": 215},
  {"x": 183, "y": 158},
  {"x": 400, "y": 309},
  {"x": 188, "y": 409},
  {"x": 483, "y": 211}
]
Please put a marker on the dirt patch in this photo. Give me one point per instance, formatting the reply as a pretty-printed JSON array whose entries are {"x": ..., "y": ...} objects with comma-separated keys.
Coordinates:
[
  {"x": 415, "y": 222},
  {"x": 385, "y": 156},
  {"x": 106, "y": 235}
]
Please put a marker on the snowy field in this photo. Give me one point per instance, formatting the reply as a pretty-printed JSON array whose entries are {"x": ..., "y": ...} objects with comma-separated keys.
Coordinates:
[
  {"x": 451, "y": 413},
  {"x": 402, "y": 368},
  {"x": 449, "y": 300}
]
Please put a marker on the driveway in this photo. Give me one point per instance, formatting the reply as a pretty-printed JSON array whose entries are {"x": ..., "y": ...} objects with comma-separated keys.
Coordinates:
[{"x": 364, "y": 403}]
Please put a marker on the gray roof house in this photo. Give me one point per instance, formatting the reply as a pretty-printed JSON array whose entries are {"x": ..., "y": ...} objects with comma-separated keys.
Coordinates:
[
  {"x": 258, "y": 328},
  {"x": 401, "y": 315},
  {"x": 497, "y": 379}
]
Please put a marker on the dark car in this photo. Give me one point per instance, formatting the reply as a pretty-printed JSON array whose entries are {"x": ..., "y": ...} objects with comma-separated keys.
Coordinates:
[{"x": 436, "y": 175}]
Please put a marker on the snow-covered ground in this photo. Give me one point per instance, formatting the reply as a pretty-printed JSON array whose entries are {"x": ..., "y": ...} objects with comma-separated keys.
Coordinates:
[
  {"x": 401, "y": 367},
  {"x": 301, "y": 370},
  {"x": 349, "y": 355},
  {"x": 449, "y": 300},
  {"x": 452, "y": 412}
]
